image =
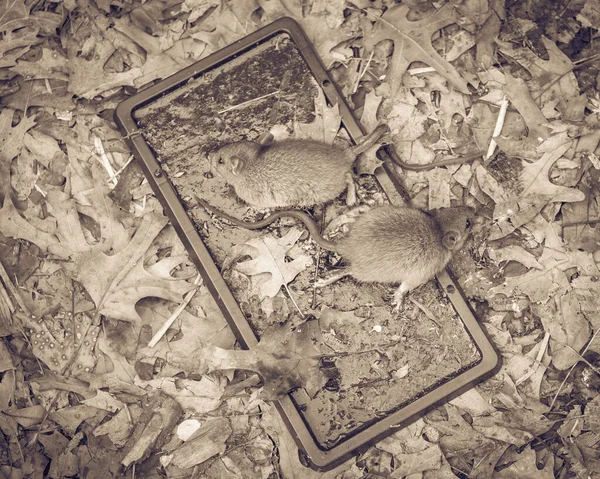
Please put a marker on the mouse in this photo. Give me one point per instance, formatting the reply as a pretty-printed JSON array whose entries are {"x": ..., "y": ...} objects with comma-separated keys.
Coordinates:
[
  {"x": 289, "y": 173},
  {"x": 388, "y": 244}
]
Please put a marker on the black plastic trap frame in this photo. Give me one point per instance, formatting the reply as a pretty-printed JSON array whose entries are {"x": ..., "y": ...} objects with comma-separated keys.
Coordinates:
[{"x": 317, "y": 455}]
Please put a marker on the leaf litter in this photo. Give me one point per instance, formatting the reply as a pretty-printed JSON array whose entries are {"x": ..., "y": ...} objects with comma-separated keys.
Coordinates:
[{"x": 86, "y": 285}]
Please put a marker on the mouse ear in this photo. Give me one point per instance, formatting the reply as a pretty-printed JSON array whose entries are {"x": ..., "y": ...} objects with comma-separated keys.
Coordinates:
[
  {"x": 237, "y": 165},
  {"x": 450, "y": 239}
]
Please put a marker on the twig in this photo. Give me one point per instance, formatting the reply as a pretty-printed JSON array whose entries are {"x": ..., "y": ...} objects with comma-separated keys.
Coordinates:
[
  {"x": 186, "y": 299},
  {"x": 11, "y": 288},
  {"x": 120, "y": 170},
  {"x": 293, "y": 300},
  {"x": 362, "y": 73},
  {"x": 426, "y": 311},
  {"x": 537, "y": 362},
  {"x": 498, "y": 127},
  {"x": 240, "y": 105}
]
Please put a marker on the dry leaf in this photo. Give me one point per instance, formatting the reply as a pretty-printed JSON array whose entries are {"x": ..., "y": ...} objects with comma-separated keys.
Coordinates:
[
  {"x": 537, "y": 191},
  {"x": 514, "y": 253},
  {"x": 13, "y": 225},
  {"x": 526, "y": 467},
  {"x": 116, "y": 283},
  {"x": 326, "y": 124},
  {"x": 317, "y": 27},
  {"x": 369, "y": 114},
  {"x": 569, "y": 329},
  {"x": 412, "y": 42},
  {"x": 205, "y": 443},
  {"x": 552, "y": 78},
  {"x": 520, "y": 97},
  {"x": 439, "y": 188},
  {"x": 407, "y": 464},
  {"x": 284, "y": 359},
  {"x": 268, "y": 255}
]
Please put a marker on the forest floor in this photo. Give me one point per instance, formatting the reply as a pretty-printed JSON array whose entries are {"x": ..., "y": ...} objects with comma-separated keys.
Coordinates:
[{"x": 117, "y": 361}]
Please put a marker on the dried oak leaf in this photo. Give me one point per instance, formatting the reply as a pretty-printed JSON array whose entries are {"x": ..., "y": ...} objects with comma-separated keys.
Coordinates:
[
  {"x": 116, "y": 283},
  {"x": 326, "y": 124},
  {"x": 13, "y": 225},
  {"x": 205, "y": 443},
  {"x": 320, "y": 29},
  {"x": 552, "y": 78},
  {"x": 51, "y": 64},
  {"x": 526, "y": 467},
  {"x": 11, "y": 144},
  {"x": 540, "y": 284},
  {"x": 269, "y": 268},
  {"x": 536, "y": 192},
  {"x": 520, "y": 96},
  {"x": 412, "y": 42},
  {"x": 569, "y": 329},
  {"x": 15, "y": 44},
  {"x": 13, "y": 15},
  {"x": 284, "y": 359}
]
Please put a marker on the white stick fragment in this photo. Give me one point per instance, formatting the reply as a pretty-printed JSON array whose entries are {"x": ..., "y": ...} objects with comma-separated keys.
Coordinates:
[
  {"x": 421, "y": 70},
  {"x": 114, "y": 177},
  {"x": 538, "y": 361},
  {"x": 39, "y": 190},
  {"x": 498, "y": 127},
  {"x": 104, "y": 161},
  {"x": 186, "y": 299},
  {"x": 240, "y": 105}
]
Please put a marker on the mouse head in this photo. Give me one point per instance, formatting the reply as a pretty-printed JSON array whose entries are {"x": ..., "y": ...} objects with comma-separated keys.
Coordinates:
[
  {"x": 455, "y": 224},
  {"x": 230, "y": 161}
]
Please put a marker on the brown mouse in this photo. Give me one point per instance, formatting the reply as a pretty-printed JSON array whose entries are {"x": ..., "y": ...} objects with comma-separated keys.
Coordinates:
[
  {"x": 288, "y": 173},
  {"x": 388, "y": 244}
]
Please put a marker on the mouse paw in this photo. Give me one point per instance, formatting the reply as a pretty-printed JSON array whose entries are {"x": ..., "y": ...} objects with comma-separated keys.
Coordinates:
[{"x": 398, "y": 300}]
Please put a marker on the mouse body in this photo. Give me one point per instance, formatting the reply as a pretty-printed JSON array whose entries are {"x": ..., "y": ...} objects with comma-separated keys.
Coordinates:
[
  {"x": 389, "y": 244},
  {"x": 403, "y": 245},
  {"x": 288, "y": 173}
]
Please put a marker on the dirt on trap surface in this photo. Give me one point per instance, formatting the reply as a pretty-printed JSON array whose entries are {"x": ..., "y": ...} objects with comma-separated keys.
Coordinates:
[{"x": 384, "y": 359}]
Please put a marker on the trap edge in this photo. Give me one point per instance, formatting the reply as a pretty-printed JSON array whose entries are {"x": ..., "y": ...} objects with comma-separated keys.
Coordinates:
[{"x": 316, "y": 456}]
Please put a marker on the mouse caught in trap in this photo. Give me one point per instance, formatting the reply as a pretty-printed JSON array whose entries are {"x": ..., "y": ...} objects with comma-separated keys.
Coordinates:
[{"x": 186, "y": 131}]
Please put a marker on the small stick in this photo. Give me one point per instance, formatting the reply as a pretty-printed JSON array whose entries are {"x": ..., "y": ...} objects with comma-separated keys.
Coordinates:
[
  {"x": 186, "y": 299},
  {"x": 120, "y": 170},
  {"x": 11, "y": 288},
  {"x": 362, "y": 73},
  {"x": 248, "y": 102},
  {"x": 498, "y": 127},
  {"x": 104, "y": 161}
]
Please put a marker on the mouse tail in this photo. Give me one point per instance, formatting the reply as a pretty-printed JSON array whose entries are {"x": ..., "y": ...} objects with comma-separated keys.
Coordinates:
[
  {"x": 367, "y": 141},
  {"x": 257, "y": 225}
]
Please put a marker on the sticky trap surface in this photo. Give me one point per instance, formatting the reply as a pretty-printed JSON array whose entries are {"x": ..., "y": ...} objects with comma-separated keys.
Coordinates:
[{"x": 434, "y": 352}]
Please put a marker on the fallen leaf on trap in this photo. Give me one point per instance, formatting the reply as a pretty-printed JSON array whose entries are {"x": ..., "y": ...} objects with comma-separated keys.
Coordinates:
[
  {"x": 326, "y": 124},
  {"x": 268, "y": 255},
  {"x": 284, "y": 359}
]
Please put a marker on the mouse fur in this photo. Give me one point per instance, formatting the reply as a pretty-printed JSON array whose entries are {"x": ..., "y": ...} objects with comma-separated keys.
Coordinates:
[
  {"x": 389, "y": 244},
  {"x": 288, "y": 173},
  {"x": 404, "y": 245}
]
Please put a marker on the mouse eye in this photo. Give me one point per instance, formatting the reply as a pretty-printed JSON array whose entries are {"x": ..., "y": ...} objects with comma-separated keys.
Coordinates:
[
  {"x": 468, "y": 224},
  {"x": 220, "y": 161}
]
